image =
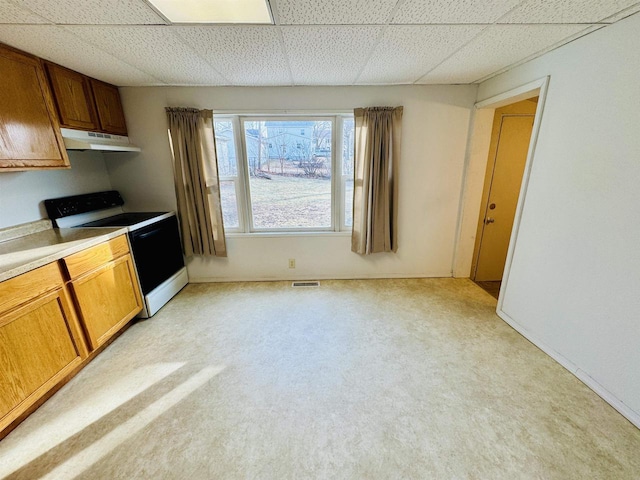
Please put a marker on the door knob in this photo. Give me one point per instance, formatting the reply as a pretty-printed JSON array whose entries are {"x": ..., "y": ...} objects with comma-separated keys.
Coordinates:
[{"x": 489, "y": 220}]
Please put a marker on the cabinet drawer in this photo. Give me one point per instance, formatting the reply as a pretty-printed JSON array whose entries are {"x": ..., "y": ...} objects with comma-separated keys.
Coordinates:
[
  {"x": 94, "y": 257},
  {"x": 25, "y": 287}
]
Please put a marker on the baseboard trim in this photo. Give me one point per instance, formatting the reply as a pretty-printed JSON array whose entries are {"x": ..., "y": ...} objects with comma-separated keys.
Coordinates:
[
  {"x": 267, "y": 278},
  {"x": 602, "y": 392},
  {"x": 608, "y": 397}
]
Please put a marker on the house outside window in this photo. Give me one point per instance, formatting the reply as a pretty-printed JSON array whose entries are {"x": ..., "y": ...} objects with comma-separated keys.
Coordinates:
[{"x": 285, "y": 174}]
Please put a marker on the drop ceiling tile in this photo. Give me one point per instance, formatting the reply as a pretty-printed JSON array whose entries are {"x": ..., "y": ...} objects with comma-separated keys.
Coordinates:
[
  {"x": 622, "y": 14},
  {"x": 565, "y": 11},
  {"x": 405, "y": 53},
  {"x": 95, "y": 12},
  {"x": 498, "y": 47},
  {"x": 246, "y": 55},
  {"x": 154, "y": 50},
  {"x": 328, "y": 55},
  {"x": 448, "y": 11},
  {"x": 58, "y": 45},
  {"x": 334, "y": 12},
  {"x": 11, "y": 13}
]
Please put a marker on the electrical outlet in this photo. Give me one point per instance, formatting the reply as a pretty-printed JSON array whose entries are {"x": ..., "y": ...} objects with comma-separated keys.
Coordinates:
[{"x": 292, "y": 263}]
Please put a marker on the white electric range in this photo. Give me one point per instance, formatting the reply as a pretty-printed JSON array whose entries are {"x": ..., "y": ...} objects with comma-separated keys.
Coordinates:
[{"x": 154, "y": 238}]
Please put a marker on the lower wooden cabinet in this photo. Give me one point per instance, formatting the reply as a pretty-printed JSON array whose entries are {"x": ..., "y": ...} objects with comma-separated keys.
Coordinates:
[
  {"x": 105, "y": 288},
  {"x": 39, "y": 340},
  {"x": 53, "y": 319},
  {"x": 107, "y": 298}
]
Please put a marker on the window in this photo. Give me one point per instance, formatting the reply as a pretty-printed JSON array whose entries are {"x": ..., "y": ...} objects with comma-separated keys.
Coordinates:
[
  {"x": 228, "y": 172},
  {"x": 348, "y": 145},
  {"x": 285, "y": 173}
]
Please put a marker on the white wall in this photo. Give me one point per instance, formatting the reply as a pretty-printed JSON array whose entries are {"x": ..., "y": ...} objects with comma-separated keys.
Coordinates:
[
  {"x": 22, "y": 193},
  {"x": 574, "y": 285},
  {"x": 435, "y": 129}
]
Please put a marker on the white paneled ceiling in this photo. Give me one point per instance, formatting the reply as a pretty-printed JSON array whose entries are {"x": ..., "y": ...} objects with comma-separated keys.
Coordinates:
[
  {"x": 11, "y": 13},
  {"x": 60, "y": 46},
  {"x": 242, "y": 55},
  {"x": 334, "y": 12},
  {"x": 423, "y": 47},
  {"x": 496, "y": 48},
  {"x": 331, "y": 55},
  {"x": 566, "y": 11},
  {"x": 153, "y": 49},
  {"x": 105, "y": 12},
  {"x": 313, "y": 42},
  {"x": 452, "y": 11}
]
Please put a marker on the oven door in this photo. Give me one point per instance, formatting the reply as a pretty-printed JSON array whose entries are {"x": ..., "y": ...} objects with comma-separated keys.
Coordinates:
[{"x": 157, "y": 252}]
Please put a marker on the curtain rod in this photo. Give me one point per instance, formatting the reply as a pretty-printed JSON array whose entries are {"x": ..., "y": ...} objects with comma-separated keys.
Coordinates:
[{"x": 283, "y": 112}]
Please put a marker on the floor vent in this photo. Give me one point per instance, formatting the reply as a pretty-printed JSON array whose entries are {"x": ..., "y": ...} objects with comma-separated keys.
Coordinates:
[{"x": 305, "y": 284}]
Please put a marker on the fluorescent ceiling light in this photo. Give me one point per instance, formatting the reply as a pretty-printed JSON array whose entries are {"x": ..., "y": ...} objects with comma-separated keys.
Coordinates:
[{"x": 214, "y": 11}]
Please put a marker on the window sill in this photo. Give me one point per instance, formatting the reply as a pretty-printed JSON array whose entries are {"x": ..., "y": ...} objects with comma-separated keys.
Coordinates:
[{"x": 286, "y": 234}]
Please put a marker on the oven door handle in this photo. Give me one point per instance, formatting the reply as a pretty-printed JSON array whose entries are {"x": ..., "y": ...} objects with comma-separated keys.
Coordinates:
[{"x": 146, "y": 234}]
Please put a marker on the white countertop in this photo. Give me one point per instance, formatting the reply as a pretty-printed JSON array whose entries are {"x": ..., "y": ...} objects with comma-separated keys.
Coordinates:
[{"x": 33, "y": 250}]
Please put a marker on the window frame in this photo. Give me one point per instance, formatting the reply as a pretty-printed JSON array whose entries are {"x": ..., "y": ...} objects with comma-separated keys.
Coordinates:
[
  {"x": 344, "y": 178},
  {"x": 242, "y": 181},
  {"x": 238, "y": 178}
]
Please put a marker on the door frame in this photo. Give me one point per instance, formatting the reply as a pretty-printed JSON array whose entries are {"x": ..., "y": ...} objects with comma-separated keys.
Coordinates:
[{"x": 474, "y": 174}]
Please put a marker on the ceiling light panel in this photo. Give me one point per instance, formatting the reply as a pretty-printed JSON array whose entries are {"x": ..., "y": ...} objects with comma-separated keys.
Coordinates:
[
  {"x": 10, "y": 13},
  {"x": 154, "y": 50},
  {"x": 328, "y": 55},
  {"x": 214, "y": 11},
  {"x": 427, "y": 12},
  {"x": 245, "y": 55},
  {"x": 566, "y": 11},
  {"x": 95, "y": 12},
  {"x": 58, "y": 45},
  {"x": 406, "y": 52},
  {"x": 487, "y": 53},
  {"x": 334, "y": 12}
]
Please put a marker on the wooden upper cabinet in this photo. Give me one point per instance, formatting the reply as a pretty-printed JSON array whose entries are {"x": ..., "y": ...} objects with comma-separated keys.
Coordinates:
[
  {"x": 86, "y": 103},
  {"x": 73, "y": 97},
  {"x": 29, "y": 131},
  {"x": 109, "y": 107}
]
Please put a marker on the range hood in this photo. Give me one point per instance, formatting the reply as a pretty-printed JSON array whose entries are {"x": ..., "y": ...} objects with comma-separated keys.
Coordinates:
[{"x": 104, "y": 142}]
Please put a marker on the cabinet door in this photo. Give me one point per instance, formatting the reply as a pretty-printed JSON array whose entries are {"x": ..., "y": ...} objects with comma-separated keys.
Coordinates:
[
  {"x": 36, "y": 352},
  {"x": 29, "y": 131},
  {"x": 109, "y": 107},
  {"x": 73, "y": 98},
  {"x": 107, "y": 298}
]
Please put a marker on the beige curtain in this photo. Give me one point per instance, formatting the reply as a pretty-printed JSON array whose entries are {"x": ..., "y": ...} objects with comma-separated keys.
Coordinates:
[
  {"x": 375, "y": 188},
  {"x": 195, "y": 169}
]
